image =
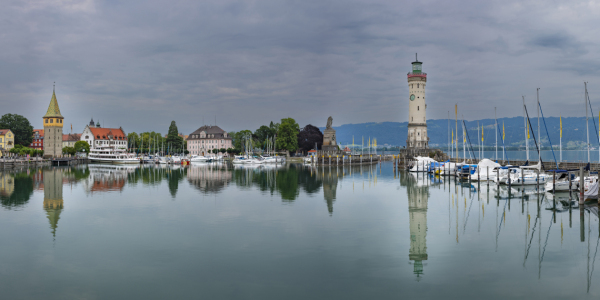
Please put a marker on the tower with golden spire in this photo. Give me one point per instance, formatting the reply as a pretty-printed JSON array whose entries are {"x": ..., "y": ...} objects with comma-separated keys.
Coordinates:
[{"x": 53, "y": 129}]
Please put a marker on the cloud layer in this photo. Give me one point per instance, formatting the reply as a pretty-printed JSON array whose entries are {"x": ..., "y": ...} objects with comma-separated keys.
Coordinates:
[{"x": 141, "y": 64}]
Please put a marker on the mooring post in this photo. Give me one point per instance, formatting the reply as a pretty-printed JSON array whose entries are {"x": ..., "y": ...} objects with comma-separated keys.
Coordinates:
[
  {"x": 570, "y": 183},
  {"x": 581, "y": 186},
  {"x": 469, "y": 176},
  {"x": 330, "y": 160},
  {"x": 498, "y": 177},
  {"x": 537, "y": 181},
  {"x": 581, "y": 220},
  {"x": 554, "y": 182}
]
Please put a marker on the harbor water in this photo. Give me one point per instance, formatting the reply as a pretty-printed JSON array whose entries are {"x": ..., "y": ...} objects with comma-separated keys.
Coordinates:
[{"x": 217, "y": 231}]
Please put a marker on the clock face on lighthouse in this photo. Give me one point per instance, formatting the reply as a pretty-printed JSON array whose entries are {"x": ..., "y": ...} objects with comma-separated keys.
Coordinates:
[{"x": 412, "y": 97}]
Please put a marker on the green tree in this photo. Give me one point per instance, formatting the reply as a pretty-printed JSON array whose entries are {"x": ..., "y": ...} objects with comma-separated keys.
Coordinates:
[
  {"x": 237, "y": 138},
  {"x": 133, "y": 140},
  {"x": 82, "y": 146},
  {"x": 68, "y": 150},
  {"x": 287, "y": 136},
  {"x": 19, "y": 126},
  {"x": 263, "y": 133},
  {"x": 174, "y": 141}
]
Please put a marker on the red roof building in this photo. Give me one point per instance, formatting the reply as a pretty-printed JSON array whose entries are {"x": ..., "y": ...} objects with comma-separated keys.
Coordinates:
[
  {"x": 105, "y": 137},
  {"x": 38, "y": 139}
]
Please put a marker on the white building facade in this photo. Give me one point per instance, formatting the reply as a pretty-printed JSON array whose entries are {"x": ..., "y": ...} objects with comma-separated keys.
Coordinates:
[
  {"x": 207, "y": 138},
  {"x": 105, "y": 137}
]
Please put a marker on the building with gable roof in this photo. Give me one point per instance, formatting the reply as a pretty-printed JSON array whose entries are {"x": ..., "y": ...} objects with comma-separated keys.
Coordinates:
[
  {"x": 105, "y": 137},
  {"x": 70, "y": 139},
  {"x": 38, "y": 139},
  {"x": 53, "y": 126},
  {"x": 7, "y": 140},
  {"x": 207, "y": 138}
]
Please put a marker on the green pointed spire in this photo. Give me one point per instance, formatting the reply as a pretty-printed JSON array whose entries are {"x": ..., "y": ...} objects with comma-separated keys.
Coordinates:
[{"x": 53, "y": 110}]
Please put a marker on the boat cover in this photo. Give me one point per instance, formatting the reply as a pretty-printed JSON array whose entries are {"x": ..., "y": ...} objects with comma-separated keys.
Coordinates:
[
  {"x": 538, "y": 167},
  {"x": 592, "y": 192},
  {"x": 484, "y": 163}
]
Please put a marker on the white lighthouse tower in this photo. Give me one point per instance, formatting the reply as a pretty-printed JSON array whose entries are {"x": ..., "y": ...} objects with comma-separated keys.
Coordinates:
[{"x": 417, "y": 123}]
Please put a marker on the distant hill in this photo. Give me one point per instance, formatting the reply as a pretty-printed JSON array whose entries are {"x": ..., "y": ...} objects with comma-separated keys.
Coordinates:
[{"x": 394, "y": 133}]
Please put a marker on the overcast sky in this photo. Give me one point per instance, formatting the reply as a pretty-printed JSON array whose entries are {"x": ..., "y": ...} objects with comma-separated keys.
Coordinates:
[{"x": 141, "y": 64}]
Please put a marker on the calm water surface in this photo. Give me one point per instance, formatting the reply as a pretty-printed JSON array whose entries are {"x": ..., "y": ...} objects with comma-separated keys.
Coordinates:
[{"x": 289, "y": 232}]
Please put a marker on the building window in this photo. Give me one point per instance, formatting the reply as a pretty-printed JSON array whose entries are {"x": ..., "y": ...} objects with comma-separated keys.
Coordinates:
[
  {"x": 417, "y": 108},
  {"x": 51, "y": 120},
  {"x": 46, "y": 120},
  {"x": 411, "y": 119},
  {"x": 417, "y": 85}
]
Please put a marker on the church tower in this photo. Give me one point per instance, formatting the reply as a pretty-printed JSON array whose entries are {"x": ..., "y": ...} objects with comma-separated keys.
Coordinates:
[
  {"x": 53, "y": 126},
  {"x": 417, "y": 124}
]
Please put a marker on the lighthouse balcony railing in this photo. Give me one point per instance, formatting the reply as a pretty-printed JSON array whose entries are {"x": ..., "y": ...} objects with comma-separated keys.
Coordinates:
[{"x": 410, "y": 74}]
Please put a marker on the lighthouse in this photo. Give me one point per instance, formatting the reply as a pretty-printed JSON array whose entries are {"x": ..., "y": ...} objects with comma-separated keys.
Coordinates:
[{"x": 417, "y": 138}]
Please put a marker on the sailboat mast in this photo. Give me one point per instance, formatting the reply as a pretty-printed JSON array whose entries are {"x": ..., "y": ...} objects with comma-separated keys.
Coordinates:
[
  {"x": 464, "y": 140},
  {"x": 456, "y": 120},
  {"x": 538, "y": 119},
  {"x": 478, "y": 142},
  {"x": 496, "y": 118},
  {"x": 526, "y": 131},
  {"x": 448, "y": 132},
  {"x": 586, "y": 121}
]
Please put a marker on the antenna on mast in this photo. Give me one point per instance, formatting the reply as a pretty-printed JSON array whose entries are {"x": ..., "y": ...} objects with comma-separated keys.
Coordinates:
[{"x": 416, "y": 57}]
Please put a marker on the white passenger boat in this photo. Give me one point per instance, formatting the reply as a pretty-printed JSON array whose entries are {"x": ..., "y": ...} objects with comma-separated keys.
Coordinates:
[{"x": 112, "y": 155}]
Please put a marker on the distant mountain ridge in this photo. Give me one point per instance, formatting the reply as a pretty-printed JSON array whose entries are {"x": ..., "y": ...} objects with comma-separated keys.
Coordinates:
[{"x": 394, "y": 133}]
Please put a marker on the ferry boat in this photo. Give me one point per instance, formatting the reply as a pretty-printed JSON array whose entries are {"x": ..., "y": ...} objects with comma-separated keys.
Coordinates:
[{"x": 112, "y": 155}]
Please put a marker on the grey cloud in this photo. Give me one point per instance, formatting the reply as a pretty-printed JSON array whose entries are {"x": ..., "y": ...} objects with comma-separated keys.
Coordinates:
[{"x": 141, "y": 64}]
